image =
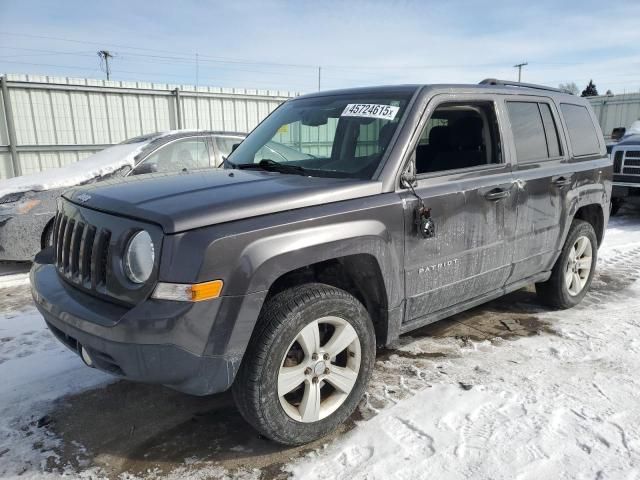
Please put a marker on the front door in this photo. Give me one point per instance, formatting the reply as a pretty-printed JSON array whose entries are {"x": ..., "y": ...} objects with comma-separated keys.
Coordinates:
[{"x": 463, "y": 178}]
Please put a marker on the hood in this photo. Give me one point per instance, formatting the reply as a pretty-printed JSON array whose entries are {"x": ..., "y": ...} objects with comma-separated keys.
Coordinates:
[
  {"x": 100, "y": 164},
  {"x": 184, "y": 201},
  {"x": 629, "y": 140}
]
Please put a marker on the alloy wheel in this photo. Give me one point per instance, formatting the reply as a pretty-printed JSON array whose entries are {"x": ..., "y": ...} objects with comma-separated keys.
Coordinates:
[{"x": 319, "y": 369}]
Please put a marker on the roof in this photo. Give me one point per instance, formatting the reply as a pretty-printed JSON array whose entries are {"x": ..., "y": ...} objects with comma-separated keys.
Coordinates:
[{"x": 488, "y": 85}]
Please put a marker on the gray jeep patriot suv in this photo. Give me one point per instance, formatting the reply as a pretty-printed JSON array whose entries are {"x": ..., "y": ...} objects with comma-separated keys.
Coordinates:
[{"x": 388, "y": 208}]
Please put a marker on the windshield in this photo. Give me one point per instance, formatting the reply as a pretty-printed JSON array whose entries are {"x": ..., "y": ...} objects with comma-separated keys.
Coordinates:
[{"x": 331, "y": 136}]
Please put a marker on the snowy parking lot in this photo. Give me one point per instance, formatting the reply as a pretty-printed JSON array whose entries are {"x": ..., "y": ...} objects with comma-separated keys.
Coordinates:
[{"x": 507, "y": 390}]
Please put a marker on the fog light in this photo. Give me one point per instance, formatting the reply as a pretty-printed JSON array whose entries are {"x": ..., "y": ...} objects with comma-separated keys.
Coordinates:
[{"x": 86, "y": 358}]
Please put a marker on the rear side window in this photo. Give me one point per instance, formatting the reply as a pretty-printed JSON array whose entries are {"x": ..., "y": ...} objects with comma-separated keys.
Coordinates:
[
  {"x": 528, "y": 131},
  {"x": 553, "y": 144},
  {"x": 582, "y": 133},
  {"x": 534, "y": 131}
]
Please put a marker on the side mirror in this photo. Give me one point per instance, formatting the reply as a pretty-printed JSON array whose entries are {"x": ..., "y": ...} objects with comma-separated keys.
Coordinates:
[
  {"x": 146, "y": 168},
  {"x": 234, "y": 147},
  {"x": 408, "y": 180}
]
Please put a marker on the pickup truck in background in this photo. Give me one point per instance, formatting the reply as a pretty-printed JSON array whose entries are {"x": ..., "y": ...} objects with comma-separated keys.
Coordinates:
[{"x": 626, "y": 169}]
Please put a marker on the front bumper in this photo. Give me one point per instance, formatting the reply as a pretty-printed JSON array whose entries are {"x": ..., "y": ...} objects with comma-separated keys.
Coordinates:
[{"x": 186, "y": 346}]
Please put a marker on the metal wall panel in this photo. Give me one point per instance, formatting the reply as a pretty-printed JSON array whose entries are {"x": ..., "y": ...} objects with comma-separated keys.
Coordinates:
[
  {"x": 615, "y": 111},
  {"x": 60, "y": 120}
]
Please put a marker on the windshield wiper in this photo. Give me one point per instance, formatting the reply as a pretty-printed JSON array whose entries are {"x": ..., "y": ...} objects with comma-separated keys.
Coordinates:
[{"x": 272, "y": 166}]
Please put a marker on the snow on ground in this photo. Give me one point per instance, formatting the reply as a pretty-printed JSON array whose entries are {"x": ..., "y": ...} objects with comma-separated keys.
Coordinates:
[{"x": 558, "y": 404}]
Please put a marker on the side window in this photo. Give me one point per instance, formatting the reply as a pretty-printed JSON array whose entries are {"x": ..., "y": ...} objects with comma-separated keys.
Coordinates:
[
  {"x": 184, "y": 154},
  {"x": 582, "y": 133},
  {"x": 459, "y": 135},
  {"x": 225, "y": 145},
  {"x": 528, "y": 131}
]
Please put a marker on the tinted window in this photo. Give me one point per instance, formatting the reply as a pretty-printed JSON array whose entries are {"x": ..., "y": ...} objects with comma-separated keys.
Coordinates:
[
  {"x": 225, "y": 144},
  {"x": 528, "y": 131},
  {"x": 553, "y": 144},
  {"x": 459, "y": 135},
  {"x": 582, "y": 133}
]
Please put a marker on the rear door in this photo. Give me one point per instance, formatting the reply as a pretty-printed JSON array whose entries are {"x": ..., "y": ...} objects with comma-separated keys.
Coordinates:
[
  {"x": 544, "y": 177},
  {"x": 465, "y": 180}
]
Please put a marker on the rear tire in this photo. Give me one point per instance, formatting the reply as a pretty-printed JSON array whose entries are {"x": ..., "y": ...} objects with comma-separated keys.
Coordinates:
[
  {"x": 307, "y": 365},
  {"x": 572, "y": 274}
]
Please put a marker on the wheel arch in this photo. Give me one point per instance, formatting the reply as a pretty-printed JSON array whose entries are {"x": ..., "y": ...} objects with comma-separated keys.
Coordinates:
[
  {"x": 358, "y": 274},
  {"x": 594, "y": 215}
]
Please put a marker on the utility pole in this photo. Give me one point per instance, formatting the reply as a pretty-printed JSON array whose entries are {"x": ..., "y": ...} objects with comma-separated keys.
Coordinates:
[
  {"x": 105, "y": 55},
  {"x": 519, "y": 67},
  {"x": 319, "y": 76}
]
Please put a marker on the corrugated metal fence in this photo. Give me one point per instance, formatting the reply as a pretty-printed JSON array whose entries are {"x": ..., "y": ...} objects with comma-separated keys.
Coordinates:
[
  {"x": 47, "y": 122},
  {"x": 616, "y": 110}
]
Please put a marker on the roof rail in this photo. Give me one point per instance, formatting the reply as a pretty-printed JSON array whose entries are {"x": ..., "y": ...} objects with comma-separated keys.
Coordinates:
[{"x": 509, "y": 83}]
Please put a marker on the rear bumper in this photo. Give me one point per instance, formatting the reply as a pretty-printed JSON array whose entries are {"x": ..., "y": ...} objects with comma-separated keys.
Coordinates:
[{"x": 171, "y": 343}]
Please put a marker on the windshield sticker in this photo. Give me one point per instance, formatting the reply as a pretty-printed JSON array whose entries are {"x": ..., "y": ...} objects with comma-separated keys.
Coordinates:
[{"x": 370, "y": 110}]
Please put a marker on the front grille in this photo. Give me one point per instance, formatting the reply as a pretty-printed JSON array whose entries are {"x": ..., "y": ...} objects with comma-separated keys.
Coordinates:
[
  {"x": 82, "y": 251},
  {"x": 626, "y": 162}
]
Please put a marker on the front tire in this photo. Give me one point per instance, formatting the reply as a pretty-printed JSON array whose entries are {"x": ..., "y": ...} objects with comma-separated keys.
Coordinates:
[
  {"x": 307, "y": 364},
  {"x": 572, "y": 274}
]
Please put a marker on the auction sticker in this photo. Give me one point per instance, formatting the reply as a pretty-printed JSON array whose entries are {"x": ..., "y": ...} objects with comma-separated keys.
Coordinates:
[{"x": 370, "y": 110}]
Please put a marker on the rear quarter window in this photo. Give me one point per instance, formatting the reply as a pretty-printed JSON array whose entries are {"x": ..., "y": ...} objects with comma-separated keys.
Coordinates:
[{"x": 582, "y": 133}]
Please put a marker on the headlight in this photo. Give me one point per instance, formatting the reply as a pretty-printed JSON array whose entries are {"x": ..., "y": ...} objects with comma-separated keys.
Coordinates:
[{"x": 139, "y": 257}]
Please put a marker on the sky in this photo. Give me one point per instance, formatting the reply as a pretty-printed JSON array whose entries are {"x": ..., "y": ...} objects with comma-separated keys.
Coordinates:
[{"x": 278, "y": 44}]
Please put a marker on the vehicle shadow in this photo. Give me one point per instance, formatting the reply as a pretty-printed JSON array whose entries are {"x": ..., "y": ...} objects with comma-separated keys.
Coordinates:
[{"x": 137, "y": 428}]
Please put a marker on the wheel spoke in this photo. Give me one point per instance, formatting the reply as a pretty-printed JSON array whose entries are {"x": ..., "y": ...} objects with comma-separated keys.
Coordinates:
[
  {"x": 568, "y": 278},
  {"x": 577, "y": 283},
  {"x": 289, "y": 378},
  {"x": 584, "y": 263},
  {"x": 309, "y": 339},
  {"x": 342, "y": 378},
  {"x": 342, "y": 337},
  {"x": 581, "y": 246},
  {"x": 310, "y": 405}
]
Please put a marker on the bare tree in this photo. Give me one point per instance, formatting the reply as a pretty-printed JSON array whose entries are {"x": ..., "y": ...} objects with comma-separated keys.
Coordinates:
[{"x": 569, "y": 87}]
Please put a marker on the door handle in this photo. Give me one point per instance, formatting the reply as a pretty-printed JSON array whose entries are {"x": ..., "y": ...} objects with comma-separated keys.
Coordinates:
[
  {"x": 562, "y": 180},
  {"x": 497, "y": 194}
]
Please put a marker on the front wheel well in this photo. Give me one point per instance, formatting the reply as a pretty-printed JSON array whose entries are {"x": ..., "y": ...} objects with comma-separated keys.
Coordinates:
[
  {"x": 594, "y": 215},
  {"x": 358, "y": 274}
]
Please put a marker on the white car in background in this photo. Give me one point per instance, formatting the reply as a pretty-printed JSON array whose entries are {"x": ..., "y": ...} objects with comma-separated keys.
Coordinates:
[{"x": 28, "y": 203}]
